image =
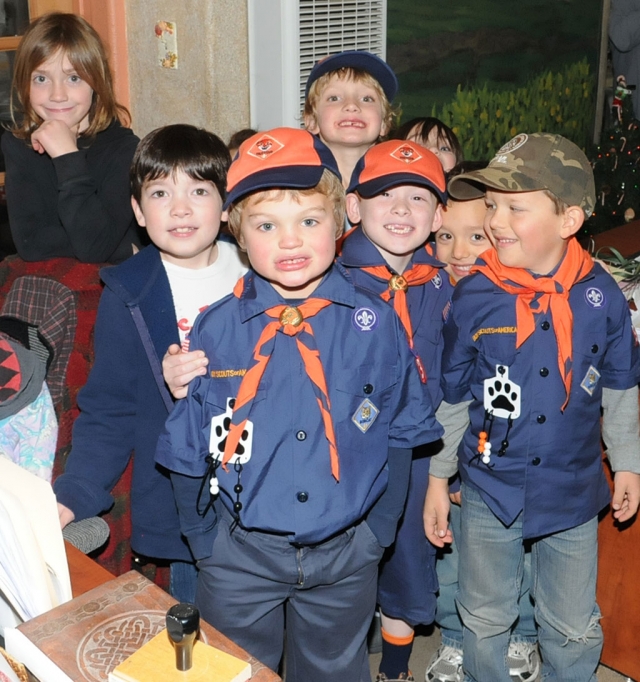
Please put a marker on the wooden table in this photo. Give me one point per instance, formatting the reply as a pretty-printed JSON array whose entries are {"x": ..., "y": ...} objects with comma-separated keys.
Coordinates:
[
  {"x": 87, "y": 574},
  {"x": 625, "y": 239}
]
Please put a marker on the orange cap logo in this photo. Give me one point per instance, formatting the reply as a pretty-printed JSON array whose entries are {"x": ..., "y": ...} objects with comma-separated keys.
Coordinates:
[
  {"x": 406, "y": 153},
  {"x": 264, "y": 147}
]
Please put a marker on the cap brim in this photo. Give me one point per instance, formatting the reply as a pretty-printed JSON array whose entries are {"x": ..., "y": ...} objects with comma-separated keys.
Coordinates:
[
  {"x": 473, "y": 185},
  {"x": 287, "y": 177},
  {"x": 373, "y": 187}
]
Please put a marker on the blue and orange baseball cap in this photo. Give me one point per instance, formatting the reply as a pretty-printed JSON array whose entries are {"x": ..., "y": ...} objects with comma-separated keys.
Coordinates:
[
  {"x": 397, "y": 162},
  {"x": 287, "y": 158},
  {"x": 356, "y": 59}
]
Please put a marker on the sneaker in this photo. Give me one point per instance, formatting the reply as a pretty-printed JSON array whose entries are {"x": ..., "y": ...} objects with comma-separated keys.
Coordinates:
[
  {"x": 523, "y": 660},
  {"x": 445, "y": 666},
  {"x": 381, "y": 677}
]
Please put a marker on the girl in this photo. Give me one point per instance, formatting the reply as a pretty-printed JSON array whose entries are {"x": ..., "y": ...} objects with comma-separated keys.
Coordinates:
[
  {"x": 436, "y": 136},
  {"x": 68, "y": 155}
]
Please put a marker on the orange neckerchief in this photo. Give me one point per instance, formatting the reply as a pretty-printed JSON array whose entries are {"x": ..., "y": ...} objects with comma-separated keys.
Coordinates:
[
  {"x": 419, "y": 273},
  {"x": 577, "y": 263},
  {"x": 292, "y": 321}
]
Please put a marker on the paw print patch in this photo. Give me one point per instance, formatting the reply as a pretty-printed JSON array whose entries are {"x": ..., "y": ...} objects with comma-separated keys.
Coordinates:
[
  {"x": 220, "y": 431},
  {"x": 502, "y": 396}
]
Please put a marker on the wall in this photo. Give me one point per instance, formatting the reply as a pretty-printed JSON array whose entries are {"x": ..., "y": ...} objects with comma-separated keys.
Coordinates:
[{"x": 210, "y": 88}]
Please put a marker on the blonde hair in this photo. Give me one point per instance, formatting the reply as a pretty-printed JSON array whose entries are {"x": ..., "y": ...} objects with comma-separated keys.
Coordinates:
[
  {"x": 347, "y": 73},
  {"x": 80, "y": 43},
  {"x": 329, "y": 186}
]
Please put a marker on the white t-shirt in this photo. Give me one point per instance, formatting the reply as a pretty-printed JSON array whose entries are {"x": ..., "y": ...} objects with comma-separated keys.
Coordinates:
[{"x": 194, "y": 290}]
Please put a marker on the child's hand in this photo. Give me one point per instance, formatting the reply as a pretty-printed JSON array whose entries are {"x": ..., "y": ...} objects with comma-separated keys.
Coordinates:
[
  {"x": 179, "y": 369},
  {"x": 626, "y": 495},
  {"x": 65, "y": 515},
  {"x": 54, "y": 138},
  {"x": 436, "y": 512}
]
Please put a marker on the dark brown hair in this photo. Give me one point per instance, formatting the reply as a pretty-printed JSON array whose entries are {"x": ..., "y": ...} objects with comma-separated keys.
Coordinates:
[
  {"x": 424, "y": 125},
  {"x": 82, "y": 46},
  {"x": 180, "y": 147}
]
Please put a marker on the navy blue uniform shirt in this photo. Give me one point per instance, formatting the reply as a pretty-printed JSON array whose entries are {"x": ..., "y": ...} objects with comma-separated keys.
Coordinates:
[
  {"x": 287, "y": 483},
  {"x": 426, "y": 302},
  {"x": 552, "y": 469}
]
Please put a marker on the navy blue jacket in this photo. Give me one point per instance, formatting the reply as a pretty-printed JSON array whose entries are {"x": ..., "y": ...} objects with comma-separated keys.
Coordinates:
[{"x": 123, "y": 410}]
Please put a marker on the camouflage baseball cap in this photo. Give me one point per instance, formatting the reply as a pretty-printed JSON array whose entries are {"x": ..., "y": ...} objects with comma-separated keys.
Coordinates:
[{"x": 532, "y": 162}]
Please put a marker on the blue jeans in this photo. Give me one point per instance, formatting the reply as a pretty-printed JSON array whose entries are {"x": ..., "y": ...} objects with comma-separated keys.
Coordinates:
[
  {"x": 447, "y": 616},
  {"x": 564, "y": 567}
]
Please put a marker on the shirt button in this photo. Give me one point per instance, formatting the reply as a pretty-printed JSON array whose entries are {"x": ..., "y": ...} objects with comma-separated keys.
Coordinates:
[
  {"x": 302, "y": 496},
  {"x": 594, "y": 348},
  {"x": 545, "y": 325},
  {"x": 541, "y": 419},
  {"x": 535, "y": 461},
  {"x": 368, "y": 389},
  {"x": 301, "y": 435},
  {"x": 544, "y": 372}
]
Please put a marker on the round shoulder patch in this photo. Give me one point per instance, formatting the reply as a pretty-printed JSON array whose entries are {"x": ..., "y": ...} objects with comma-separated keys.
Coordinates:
[
  {"x": 365, "y": 319},
  {"x": 594, "y": 297},
  {"x": 437, "y": 281},
  {"x": 513, "y": 144}
]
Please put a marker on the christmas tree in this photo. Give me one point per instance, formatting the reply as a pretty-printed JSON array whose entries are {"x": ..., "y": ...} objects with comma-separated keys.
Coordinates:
[{"x": 616, "y": 167}]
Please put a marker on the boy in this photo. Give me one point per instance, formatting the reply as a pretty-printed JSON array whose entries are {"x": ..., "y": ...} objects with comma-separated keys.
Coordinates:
[
  {"x": 540, "y": 339},
  {"x": 348, "y": 104},
  {"x": 307, "y": 416},
  {"x": 459, "y": 242},
  {"x": 178, "y": 181},
  {"x": 396, "y": 196}
]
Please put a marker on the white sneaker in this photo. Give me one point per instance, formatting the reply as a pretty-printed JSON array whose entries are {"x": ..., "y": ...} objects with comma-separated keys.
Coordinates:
[
  {"x": 445, "y": 666},
  {"x": 523, "y": 660}
]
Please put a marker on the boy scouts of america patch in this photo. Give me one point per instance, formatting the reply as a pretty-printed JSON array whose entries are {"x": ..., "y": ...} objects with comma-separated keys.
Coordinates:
[
  {"x": 590, "y": 380},
  {"x": 406, "y": 153},
  {"x": 365, "y": 415},
  {"x": 365, "y": 319},
  {"x": 265, "y": 147}
]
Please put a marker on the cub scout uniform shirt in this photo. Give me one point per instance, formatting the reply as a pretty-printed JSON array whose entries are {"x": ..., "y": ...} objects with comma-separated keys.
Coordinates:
[
  {"x": 426, "y": 302},
  {"x": 551, "y": 467},
  {"x": 377, "y": 401}
]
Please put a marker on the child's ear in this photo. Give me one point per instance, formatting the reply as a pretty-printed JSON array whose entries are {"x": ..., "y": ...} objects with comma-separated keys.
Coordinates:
[
  {"x": 137, "y": 211},
  {"x": 352, "y": 202},
  {"x": 437, "y": 218},
  {"x": 311, "y": 124},
  {"x": 573, "y": 219}
]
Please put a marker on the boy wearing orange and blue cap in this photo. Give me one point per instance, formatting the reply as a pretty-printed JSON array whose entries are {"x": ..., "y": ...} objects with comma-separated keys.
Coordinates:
[
  {"x": 395, "y": 197},
  {"x": 300, "y": 432}
]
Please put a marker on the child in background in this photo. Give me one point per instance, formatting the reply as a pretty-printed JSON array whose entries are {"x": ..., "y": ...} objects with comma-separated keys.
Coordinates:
[
  {"x": 68, "y": 154},
  {"x": 178, "y": 183},
  {"x": 459, "y": 241},
  {"x": 348, "y": 105},
  {"x": 348, "y": 100},
  {"x": 436, "y": 136},
  {"x": 238, "y": 138},
  {"x": 541, "y": 340},
  {"x": 395, "y": 199},
  {"x": 308, "y": 467}
]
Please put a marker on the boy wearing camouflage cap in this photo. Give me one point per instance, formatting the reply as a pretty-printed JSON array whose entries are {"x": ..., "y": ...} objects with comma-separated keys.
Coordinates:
[{"x": 540, "y": 339}]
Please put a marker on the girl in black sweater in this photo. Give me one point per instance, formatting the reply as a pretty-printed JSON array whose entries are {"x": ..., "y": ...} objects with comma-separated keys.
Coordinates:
[{"x": 68, "y": 154}]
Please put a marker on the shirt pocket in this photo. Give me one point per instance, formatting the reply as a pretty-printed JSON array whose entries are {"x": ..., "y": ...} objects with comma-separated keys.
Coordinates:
[{"x": 361, "y": 403}]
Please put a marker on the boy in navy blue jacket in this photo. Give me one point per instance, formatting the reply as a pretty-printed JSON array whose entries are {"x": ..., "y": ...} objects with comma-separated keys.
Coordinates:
[
  {"x": 540, "y": 339},
  {"x": 302, "y": 428},
  {"x": 178, "y": 183}
]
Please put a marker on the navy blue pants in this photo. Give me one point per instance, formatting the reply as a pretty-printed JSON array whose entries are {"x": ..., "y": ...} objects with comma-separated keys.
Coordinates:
[
  {"x": 253, "y": 581},
  {"x": 408, "y": 582}
]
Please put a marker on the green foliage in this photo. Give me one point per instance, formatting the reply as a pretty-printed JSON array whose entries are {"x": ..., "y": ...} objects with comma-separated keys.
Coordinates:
[
  {"x": 485, "y": 119},
  {"x": 624, "y": 270}
]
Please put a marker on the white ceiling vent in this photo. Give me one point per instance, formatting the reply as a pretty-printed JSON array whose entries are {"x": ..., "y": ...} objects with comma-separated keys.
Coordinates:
[{"x": 287, "y": 37}]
